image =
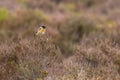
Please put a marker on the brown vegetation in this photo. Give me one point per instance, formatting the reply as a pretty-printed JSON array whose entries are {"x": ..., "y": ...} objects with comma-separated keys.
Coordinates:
[{"x": 81, "y": 43}]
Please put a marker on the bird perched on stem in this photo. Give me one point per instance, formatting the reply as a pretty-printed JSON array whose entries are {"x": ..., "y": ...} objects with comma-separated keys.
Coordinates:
[{"x": 41, "y": 30}]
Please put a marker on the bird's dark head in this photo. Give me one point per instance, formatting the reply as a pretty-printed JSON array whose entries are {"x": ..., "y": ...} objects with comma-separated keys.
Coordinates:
[{"x": 43, "y": 27}]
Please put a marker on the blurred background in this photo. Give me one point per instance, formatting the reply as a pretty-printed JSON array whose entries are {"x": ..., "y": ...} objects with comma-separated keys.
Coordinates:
[
  {"x": 83, "y": 40},
  {"x": 22, "y": 17}
]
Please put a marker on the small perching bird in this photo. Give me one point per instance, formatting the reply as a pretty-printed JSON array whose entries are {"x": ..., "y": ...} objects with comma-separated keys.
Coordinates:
[{"x": 41, "y": 30}]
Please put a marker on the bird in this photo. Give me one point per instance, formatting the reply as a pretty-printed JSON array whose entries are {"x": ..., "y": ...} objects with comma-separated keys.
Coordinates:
[{"x": 41, "y": 30}]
